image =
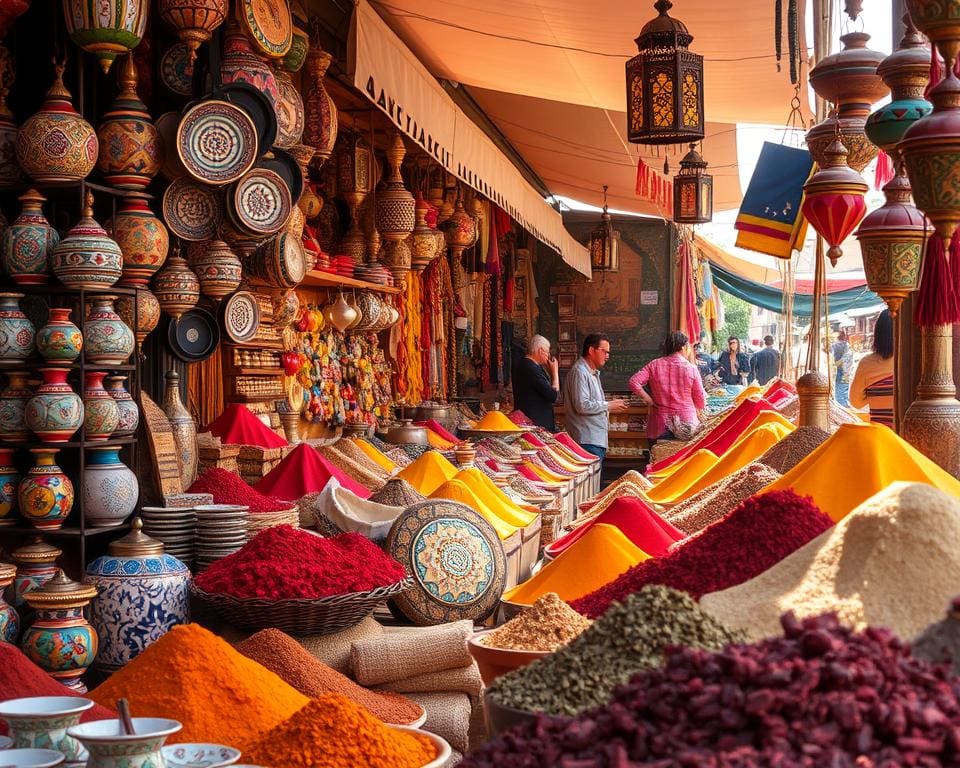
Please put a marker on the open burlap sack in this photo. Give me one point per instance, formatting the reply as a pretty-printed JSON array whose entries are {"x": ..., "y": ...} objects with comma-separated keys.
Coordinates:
[
  {"x": 401, "y": 655},
  {"x": 334, "y": 649},
  {"x": 448, "y": 716},
  {"x": 460, "y": 680}
]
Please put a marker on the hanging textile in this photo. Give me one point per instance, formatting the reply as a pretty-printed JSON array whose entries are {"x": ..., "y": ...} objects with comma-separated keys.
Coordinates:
[
  {"x": 205, "y": 397},
  {"x": 689, "y": 318}
]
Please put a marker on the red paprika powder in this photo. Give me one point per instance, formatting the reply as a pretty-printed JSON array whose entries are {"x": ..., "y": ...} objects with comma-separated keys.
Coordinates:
[{"x": 229, "y": 488}]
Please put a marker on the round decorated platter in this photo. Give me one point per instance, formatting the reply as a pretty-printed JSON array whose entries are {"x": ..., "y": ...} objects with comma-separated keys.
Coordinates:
[
  {"x": 167, "y": 124},
  {"x": 286, "y": 260},
  {"x": 282, "y": 163},
  {"x": 195, "y": 336},
  {"x": 241, "y": 317},
  {"x": 176, "y": 71},
  {"x": 269, "y": 24},
  {"x": 192, "y": 211},
  {"x": 260, "y": 203},
  {"x": 217, "y": 142},
  {"x": 257, "y": 106},
  {"x": 455, "y": 558}
]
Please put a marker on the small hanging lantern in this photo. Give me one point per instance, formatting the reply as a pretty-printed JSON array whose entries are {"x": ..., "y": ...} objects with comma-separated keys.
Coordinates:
[
  {"x": 664, "y": 84},
  {"x": 605, "y": 243},
  {"x": 693, "y": 190},
  {"x": 834, "y": 199}
]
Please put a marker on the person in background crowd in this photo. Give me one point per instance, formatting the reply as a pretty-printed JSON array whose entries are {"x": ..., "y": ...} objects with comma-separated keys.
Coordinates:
[
  {"x": 586, "y": 410},
  {"x": 671, "y": 386},
  {"x": 536, "y": 383},
  {"x": 734, "y": 364},
  {"x": 704, "y": 362},
  {"x": 872, "y": 384},
  {"x": 843, "y": 361},
  {"x": 765, "y": 364}
]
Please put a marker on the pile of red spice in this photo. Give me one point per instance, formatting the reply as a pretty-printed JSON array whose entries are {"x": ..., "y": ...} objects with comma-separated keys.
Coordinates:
[
  {"x": 286, "y": 563},
  {"x": 229, "y": 488},
  {"x": 755, "y": 536}
]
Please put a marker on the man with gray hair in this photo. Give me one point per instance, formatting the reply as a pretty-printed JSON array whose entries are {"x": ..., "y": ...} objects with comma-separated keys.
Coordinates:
[{"x": 534, "y": 390}]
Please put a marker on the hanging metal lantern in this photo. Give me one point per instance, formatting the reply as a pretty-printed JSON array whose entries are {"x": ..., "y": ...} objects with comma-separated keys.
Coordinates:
[
  {"x": 605, "y": 243},
  {"x": 664, "y": 84},
  {"x": 834, "y": 199},
  {"x": 693, "y": 190}
]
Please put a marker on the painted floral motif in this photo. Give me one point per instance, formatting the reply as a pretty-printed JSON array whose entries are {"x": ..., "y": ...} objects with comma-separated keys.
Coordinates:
[
  {"x": 143, "y": 240},
  {"x": 100, "y": 413},
  {"x": 49, "y": 732},
  {"x": 109, "y": 341},
  {"x": 128, "y": 410},
  {"x": 55, "y": 412},
  {"x": 289, "y": 112},
  {"x": 110, "y": 488},
  {"x": 242, "y": 65},
  {"x": 148, "y": 313},
  {"x": 16, "y": 331},
  {"x": 13, "y": 407},
  {"x": 59, "y": 340},
  {"x": 217, "y": 142},
  {"x": 192, "y": 211},
  {"x": 46, "y": 494},
  {"x": 28, "y": 243},
  {"x": 262, "y": 202},
  {"x": 63, "y": 644},
  {"x": 106, "y": 28},
  {"x": 87, "y": 257}
]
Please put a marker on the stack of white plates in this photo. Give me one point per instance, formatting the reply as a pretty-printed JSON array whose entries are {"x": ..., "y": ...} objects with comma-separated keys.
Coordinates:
[
  {"x": 174, "y": 526},
  {"x": 221, "y": 531}
]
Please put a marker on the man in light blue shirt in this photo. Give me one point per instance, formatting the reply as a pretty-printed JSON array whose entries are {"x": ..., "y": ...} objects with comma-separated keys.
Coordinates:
[{"x": 586, "y": 410}]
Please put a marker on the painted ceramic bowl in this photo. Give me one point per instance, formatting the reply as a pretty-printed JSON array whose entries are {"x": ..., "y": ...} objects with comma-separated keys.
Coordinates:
[
  {"x": 443, "y": 748},
  {"x": 199, "y": 755},
  {"x": 31, "y": 758},
  {"x": 217, "y": 142}
]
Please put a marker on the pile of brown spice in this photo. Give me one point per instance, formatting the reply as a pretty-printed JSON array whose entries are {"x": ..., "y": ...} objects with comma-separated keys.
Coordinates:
[
  {"x": 287, "y": 659},
  {"x": 546, "y": 625}
]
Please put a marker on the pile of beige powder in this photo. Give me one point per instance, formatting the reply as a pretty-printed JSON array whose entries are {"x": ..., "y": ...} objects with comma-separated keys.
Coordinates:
[{"x": 546, "y": 625}]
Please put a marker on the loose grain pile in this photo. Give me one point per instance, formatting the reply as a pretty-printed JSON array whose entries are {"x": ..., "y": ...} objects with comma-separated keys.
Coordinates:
[
  {"x": 546, "y": 625},
  {"x": 794, "y": 448},
  {"x": 940, "y": 642},
  {"x": 716, "y": 501},
  {"x": 892, "y": 562},
  {"x": 397, "y": 493},
  {"x": 629, "y": 638}
]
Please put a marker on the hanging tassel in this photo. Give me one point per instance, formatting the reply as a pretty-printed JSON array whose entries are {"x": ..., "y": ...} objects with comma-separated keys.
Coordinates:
[
  {"x": 778, "y": 30},
  {"x": 936, "y": 70},
  {"x": 884, "y": 172},
  {"x": 937, "y": 298}
]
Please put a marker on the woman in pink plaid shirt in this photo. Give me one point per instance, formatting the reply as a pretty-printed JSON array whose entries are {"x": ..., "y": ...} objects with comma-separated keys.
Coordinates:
[{"x": 671, "y": 386}]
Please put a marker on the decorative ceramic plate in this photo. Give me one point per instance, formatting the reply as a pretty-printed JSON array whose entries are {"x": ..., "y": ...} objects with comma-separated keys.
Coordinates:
[
  {"x": 199, "y": 755},
  {"x": 176, "y": 71},
  {"x": 194, "y": 336},
  {"x": 281, "y": 162},
  {"x": 192, "y": 211},
  {"x": 269, "y": 25},
  {"x": 260, "y": 202},
  {"x": 217, "y": 142},
  {"x": 241, "y": 316},
  {"x": 456, "y": 559},
  {"x": 167, "y": 124},
  {"x": 257, "y": 105}
]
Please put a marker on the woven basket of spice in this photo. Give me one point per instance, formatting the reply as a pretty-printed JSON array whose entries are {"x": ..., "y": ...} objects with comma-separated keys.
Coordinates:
[{"x": 258, "y": 522}]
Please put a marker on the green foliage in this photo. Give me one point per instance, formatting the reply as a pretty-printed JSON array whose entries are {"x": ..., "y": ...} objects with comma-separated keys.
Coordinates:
[{"x": 736, "y": 319}]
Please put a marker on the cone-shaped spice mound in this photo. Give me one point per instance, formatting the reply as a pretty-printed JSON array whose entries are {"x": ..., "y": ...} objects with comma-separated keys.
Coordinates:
[
  {"x": 428, "y": 472},
  {"x": 305, "y": 471},
  {"x": 238, "y": 426}
]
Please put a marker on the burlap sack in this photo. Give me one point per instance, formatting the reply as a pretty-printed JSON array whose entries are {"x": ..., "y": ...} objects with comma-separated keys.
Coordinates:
[
  {"x": 455, "y": 759},
  {"x": 478, "y": 723},
  {"x": 448, "y": 716},
  {"x": 460, "y": 680},
  {"x": 334, "y": 650},
  {"x": 400, "y": 655}
]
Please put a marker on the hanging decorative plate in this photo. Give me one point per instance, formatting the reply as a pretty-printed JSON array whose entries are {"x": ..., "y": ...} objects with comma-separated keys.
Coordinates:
[
  {"x": 281, "y": 162},
  {"x": 269, "y": 24},
  {"x": 241, "y": 317},
  {"x": 260, "y": 203},
  {"x": 192, "y": 211},
  {"x": 195, "y": 336},
  {"x": 257, "y": 105},
  {"x": 217, "y": 142},
  {"x": 455, "y": 558},
  {"x": 176, "y": 71}
]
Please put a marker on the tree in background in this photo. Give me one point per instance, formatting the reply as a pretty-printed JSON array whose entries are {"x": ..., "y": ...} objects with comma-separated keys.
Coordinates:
[{"x": 736, "y": 320}]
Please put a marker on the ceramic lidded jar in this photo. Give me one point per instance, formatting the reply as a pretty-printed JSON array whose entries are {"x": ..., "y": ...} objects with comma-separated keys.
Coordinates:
[
  {"x": 61, "y": 641},
  {"x": 242, "y": 65},
  {"x": 176, "y": 287},
  {"x": 110, "y": 489},
  {"x": 59, "y": 341},
  {"x": 87, "y": 258},
  {"x": 127, "y": 409},
  {"x": 9, "y": 618},
  {"x": 56, "y": 144},
  {"x": 45, "y": 495},
  {"x": 13, "y": 408},
  {"x": 9, "y": 479},
  {"x": 218, "y": 270},
  {"x": 36, "y": 564},
  {"x": 109, "y": 341},
  {"x": 143, "y": 240},
  {"x": 41, "y": 722},
  {"x": 28, "y": 243},
  {"x": 184, "y": 429},
  {"x": 130, "y": 149},
  {"x": 55, "y": 412},
  {"x": 100, "y": 413},
  {"x": 148, "y": 313},
  {"x": 144, "y": 593},
  {"x": 17, "y": 335}
]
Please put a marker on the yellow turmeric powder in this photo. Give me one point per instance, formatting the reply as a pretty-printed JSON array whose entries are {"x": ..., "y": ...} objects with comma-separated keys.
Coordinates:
[
  {"x": 428, "y": 473},
  {"x": 332, "y": 732},
  {"x": 496, "y": 421},
  {"x": 380, "y": 458}
]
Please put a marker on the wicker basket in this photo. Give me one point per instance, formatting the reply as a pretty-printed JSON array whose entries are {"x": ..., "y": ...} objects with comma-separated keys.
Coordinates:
[
  {"x": 300, "y": 617},
  {"x": 262, "y": 520}
]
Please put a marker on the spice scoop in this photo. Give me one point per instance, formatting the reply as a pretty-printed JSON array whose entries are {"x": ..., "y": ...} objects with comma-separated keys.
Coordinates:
[{"x": 126, "y": 722}]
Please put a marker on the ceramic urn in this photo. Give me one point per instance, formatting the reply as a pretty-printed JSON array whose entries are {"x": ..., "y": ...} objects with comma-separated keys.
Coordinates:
[
  {"x": 143, "y": 240},
  {"x": 87, "y": 258},
  {"x": 109, "y": 340},
  {"x": 28, "y": 243}
]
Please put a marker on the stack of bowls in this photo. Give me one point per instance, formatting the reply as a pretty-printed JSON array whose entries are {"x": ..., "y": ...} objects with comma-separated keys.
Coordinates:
[
  {"x": 221, "y": 531},
  {"x": 175, "y": 527}
]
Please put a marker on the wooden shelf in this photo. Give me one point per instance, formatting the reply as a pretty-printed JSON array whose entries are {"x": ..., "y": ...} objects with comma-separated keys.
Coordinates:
[
  {"x": 33, "y": 363},
  {"x": 254, "y": 344},
  {"x": 238, "y": 398},
  {"x": 317, "y": 279},
  {"x": 67, "y": 531},
  {"x": 108, "y": 443},
  {"x": 275, "y": 373}
]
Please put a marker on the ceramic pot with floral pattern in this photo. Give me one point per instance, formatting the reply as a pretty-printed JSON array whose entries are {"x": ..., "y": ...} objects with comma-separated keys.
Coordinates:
[
  {"x": 100, "y": 413},
  {"x": 55, "y": 412},
  {"x": 87, "y": 258},
  {"x": 109, "y": 341},
  {"x": 130, "y": 151},
  {"x": 36, "y": 563},
  {"x": 59, "y": 341},
  {"x": 143, "y": 240},
  {"x": 128, "y": 410},
  {"x": 28, "y": 243},
  {"x": 17, "y": 335},
  {"x": 45, "y": 495},
  {"x": 110, "y": 489},
  {"x": 13, "y": 408},
  {"x": 148, "y": 313}
]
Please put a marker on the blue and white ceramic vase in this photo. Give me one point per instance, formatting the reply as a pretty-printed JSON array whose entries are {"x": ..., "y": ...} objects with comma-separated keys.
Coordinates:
[
  {"x": 110, "y": 489},
  {"x": 17, "y": 334},
  {"x": 144, "y": 593}
]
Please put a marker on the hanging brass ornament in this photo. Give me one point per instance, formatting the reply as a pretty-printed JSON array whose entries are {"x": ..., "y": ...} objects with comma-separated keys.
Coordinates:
[
  {"x": 693, "y": 190},
  {"x": 605, "y": 243}
]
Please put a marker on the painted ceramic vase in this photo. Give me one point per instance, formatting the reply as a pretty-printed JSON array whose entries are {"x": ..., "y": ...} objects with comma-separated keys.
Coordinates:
[
  {"x": 289, "y": 111},
  {"x": 56, "y": 144},
  {"x": 144, "y": 593},
  {"x": 45, "y": 495},
  {"x": 143, "y": 240},
  {"x": 141, "y": 750},
  {"x": 87, "y": 258},
  {"x": 128, "y": 410},
  {"x": 194, "y": 20},
  {"x": 41, "y": 723},
  {"x": 17, "y": 335},
  {"x": 13, "y": 408},
  {"x": 109, "y": 341},
  {"x": 184, "y": 429},
  {"x": 176, "y": 287},
  {"x": 36, "y": 564},
  {"x": 100, "y": 413},
  {"x": 59, "y": 341},
  {"x": 130, "y": 150},
  {"x": 107, "y": 28},
  {"x": 110, "y": 489},
  {"x": 321, "y": 119},
  {"x": 300, "y": 44},
  {"x": 28, "y": 243},
  {"x": 9, "y": 480},
  {"x": 148, "y": 313},
  {"x": 242, "y": 65},
  {"x": 218, "y": 269},
  {"x": 9, "y": 618},
  {"x": 55, "y": 412},
  {"x": 61, "y": 641}
]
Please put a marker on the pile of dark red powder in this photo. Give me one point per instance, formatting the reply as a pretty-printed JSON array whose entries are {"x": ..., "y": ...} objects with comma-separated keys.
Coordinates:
[
  {"x": 821, "y": 696},
  {"x": 229, "y": 488},
  {"x": 286, "y": 563},
  {"x": 755, "y": 536}
]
